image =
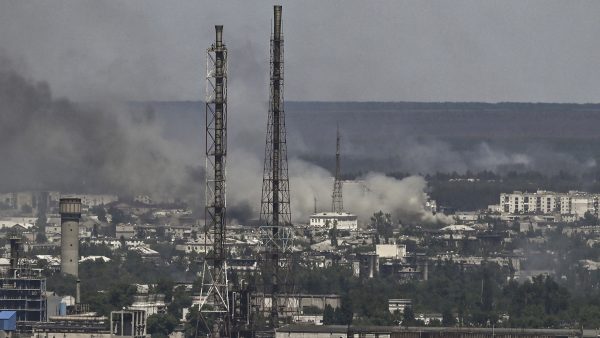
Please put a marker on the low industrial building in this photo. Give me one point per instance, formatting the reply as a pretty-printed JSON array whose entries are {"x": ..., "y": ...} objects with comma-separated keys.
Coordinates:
[
  {"x": 23, "y": 289},
  {"x": 341, "y": 220}
]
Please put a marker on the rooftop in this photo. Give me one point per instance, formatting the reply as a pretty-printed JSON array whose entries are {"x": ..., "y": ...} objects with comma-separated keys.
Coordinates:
[{"x": 331, "y": 214}]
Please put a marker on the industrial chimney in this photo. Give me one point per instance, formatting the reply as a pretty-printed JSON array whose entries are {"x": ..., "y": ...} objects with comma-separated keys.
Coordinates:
[{"x": 70, "y": 213}]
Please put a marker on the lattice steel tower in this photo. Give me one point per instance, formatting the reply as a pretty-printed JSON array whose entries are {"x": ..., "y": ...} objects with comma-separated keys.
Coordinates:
[
  {"x": 214, "y": 276},
  {"x": 275, "y": 216},
  {"x": 337, "y": 202}
]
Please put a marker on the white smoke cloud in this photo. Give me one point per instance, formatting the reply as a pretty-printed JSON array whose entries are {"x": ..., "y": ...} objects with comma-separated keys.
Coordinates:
[{"x": 404, "y": 199}]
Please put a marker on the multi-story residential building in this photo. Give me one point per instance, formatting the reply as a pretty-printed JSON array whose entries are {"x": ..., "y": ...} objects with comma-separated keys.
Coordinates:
[{"x": 546, "y": 202}]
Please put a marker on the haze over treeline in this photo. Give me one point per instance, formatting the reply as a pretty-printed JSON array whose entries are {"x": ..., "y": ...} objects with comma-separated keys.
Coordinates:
[
  {"x": 426, "y": 137},
  {"x": 156, "y": 148}
]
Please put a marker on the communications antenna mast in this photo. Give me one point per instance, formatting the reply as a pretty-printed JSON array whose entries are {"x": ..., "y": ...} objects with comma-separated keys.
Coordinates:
[
  {"x": 214, "y": 289},
  {"x": 337, "y": 202},
  {"x": 275, "y": 217}
]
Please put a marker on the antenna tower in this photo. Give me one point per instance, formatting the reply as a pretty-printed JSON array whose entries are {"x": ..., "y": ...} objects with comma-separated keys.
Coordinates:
[
  {"x": 275, "y": 217},
  {"x": 215, "y": 303},
  {"x": 337, "y": 202}
]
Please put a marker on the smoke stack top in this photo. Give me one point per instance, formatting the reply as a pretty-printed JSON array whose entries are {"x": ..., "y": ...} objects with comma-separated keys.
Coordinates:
[
  {"x": 219, "y": 36},
  {"x": 277, "y": 23},
  {"x": 70, "y": 213},
  {"x": 70, "y": 208}
]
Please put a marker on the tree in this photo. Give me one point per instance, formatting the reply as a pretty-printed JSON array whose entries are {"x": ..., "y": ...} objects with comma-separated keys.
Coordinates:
[
  {"x": 382, "y": 223},
  {"x": 344, "y": 314},
  {"x": 448, "y": 318},
  {"x": 41, "y": 238},
  {"x": 328, "y": 315},
  {"x": 180, "y": 300},
  {"x": 165, "y": 286},
  {"x": 333, "y": 234},
  {"x": 589, "y": 219},
  {"x": 121, "y": 295},
  {"x": 118, "y": 216},
  {"x": 161, "y": 324},
  {"x": 41, "y": 220},
  {"x": 408, "y": 316},
  {"x": 95, "y": 231},
  {"x": 100, "y": 212}
]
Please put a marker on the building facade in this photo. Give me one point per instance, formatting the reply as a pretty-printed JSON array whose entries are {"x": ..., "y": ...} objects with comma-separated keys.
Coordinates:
[
  {"x": 547, "y": 202},
  {"x": 341, "y": 220}
]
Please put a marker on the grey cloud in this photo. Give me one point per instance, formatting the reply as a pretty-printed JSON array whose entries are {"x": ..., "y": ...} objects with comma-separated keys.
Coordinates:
[{"x": 335, "y": 50}]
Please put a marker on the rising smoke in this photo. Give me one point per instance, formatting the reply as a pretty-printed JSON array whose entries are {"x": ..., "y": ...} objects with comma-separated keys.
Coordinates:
[
  {"x": 404, "y": 199},
  {"x": 50, "y": 143},
  {"x": 55, "y": 144},
  {"x": 432, "y": 155}
]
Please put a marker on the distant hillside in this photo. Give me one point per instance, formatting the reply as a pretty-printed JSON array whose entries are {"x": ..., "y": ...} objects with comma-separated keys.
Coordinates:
[{"x": 374, "y": 131}]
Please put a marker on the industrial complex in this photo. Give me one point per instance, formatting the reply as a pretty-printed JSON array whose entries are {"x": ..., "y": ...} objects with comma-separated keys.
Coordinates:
[{"x": 387, "y": 261}]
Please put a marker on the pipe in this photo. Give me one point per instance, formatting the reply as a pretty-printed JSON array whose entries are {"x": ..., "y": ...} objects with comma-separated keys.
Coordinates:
[{"x": 78, "y": 292}]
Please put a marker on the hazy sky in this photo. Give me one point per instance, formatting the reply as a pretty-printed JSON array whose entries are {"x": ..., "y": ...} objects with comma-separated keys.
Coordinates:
[{"x": 334, "y": 50}]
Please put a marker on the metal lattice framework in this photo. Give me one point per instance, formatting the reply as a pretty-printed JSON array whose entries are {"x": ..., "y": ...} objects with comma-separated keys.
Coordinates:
[
  {"x": 276, "y": 226},
  {"x": 337, "y": 202},
  {"x": 215, "y": 290}
]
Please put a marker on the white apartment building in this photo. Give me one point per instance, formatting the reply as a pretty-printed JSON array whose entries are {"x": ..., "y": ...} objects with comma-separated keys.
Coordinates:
[{"x": 546, "y": 202}]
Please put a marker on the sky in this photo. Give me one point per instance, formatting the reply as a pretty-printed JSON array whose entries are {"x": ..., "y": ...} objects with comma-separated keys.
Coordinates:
[{"x": 542, "y": 51}]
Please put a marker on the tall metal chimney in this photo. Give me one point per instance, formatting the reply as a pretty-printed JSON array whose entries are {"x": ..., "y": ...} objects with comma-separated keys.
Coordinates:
[{"x": 70, "y": 213}]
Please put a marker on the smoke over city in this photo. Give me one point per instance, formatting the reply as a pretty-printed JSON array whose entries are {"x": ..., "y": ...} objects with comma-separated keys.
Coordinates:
[
  {"x": 53, "y": 143},
  {"x": 404, "y": 199}
]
